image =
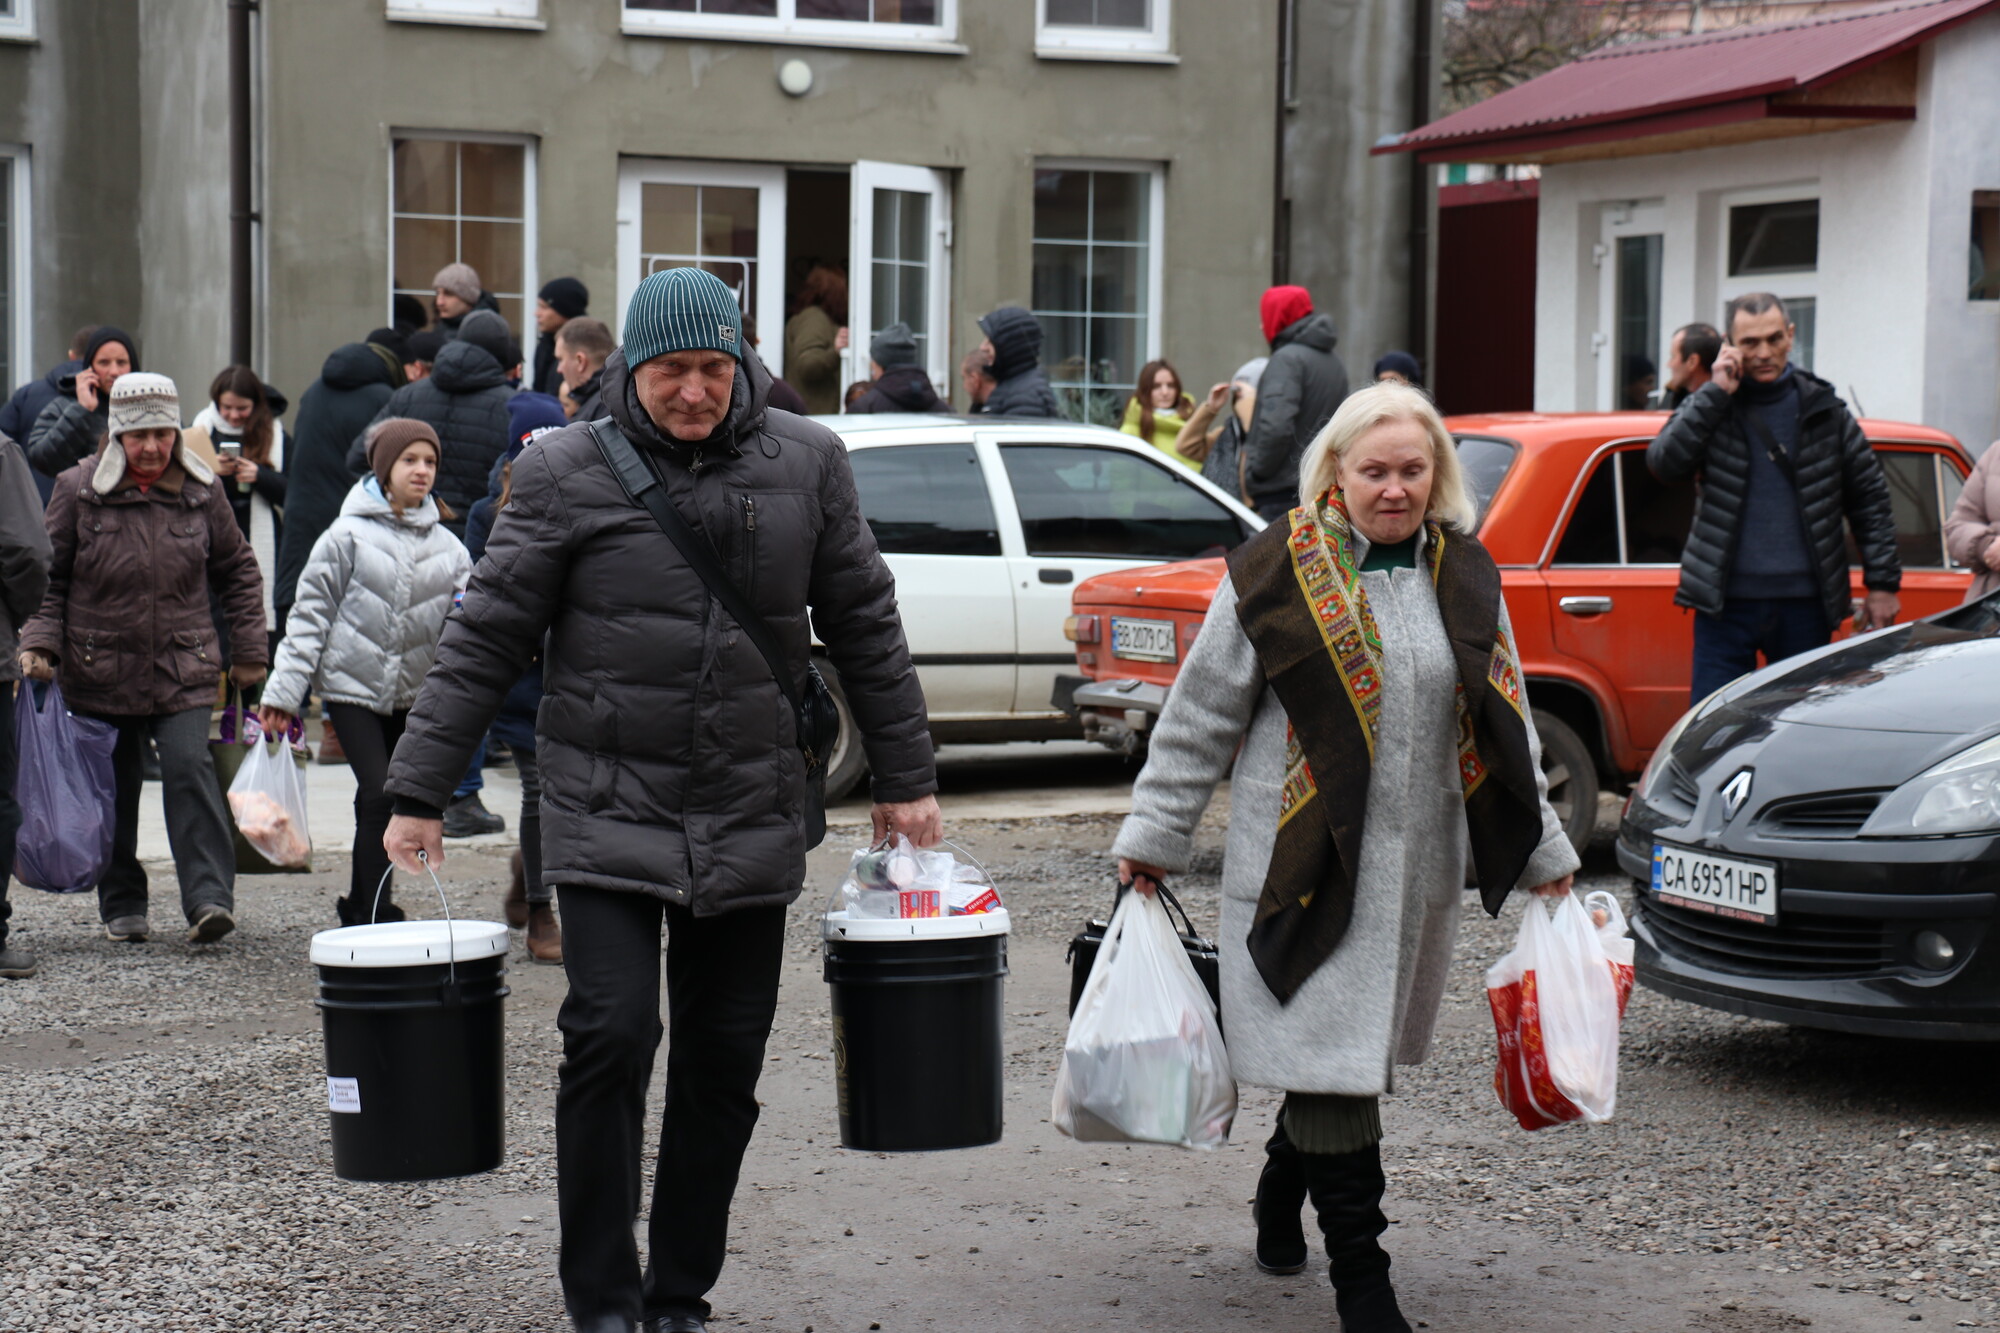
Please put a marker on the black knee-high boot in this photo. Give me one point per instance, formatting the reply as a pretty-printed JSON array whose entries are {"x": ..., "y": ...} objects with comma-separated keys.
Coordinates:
[
  {"x": 1346, "y": 1190},
  {"x": 1281, "y": 1195}
]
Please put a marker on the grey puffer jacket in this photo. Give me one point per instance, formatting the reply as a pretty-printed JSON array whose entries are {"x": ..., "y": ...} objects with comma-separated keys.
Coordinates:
[
  {"x": 1838, "y": 482},
  {"x": 465, "y": 402},
  {"x": 370, "y": 603},
  {"x": 1297, "y": 394},
  {"x": 669, "y": 760}
]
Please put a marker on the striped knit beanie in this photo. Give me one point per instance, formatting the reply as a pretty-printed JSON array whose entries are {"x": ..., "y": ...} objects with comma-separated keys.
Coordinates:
[
  {"x": 681, "y": 310},
  {"x": 143, "y": 401}
]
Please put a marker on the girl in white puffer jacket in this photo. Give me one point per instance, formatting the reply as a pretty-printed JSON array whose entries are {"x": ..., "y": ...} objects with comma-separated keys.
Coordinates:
[{"x": 364, "y": 630}]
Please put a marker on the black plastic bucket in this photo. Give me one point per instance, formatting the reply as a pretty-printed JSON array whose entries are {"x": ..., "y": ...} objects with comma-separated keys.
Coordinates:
[
  {"x": 414, "y": 1047},
  {"x": 917, "y": 1015}
]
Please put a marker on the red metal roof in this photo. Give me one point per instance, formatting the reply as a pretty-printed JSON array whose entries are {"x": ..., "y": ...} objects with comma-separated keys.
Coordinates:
[{"x": 1650, "y": 87}]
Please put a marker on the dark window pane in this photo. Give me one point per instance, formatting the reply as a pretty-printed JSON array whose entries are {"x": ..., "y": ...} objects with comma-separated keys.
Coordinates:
[
  {"x": 1118, "y": 206},
  {"x": 926, "y": 499},
  {"x": 1774, "y": 238},
  {"x": 1592, "y": 535},
  {"x": 426, "y": 176},
  {"x": 762, "y": 9},
  {"x": 1658, "y": 513},
  {"x": 1913, "y": 501},
  {"x": 1638, "y": 364},
  {"x": 1985, "y": 254},
  {"x": 494, "y": 249},
  {"x": 1072, "y": 11},
  {"x": 1065, "y": 348},
  {"x": 906, "y": 11},
  {"x": 729, "y": 221},
  {"x": 1062, "y": 205},
  {"x": 852, "y": 10},
  {"x": 491, "y": 179},
  {"x": 677, "y": 6},
  {"x": 1059, "y": 277},
  {"x": 1087, "y": 501},
  {"x": 668, "y": 219},
  {"x": 1115, "y": 352},
  {"x": 1117, "y": 280},
  {"x": 1485, "y": 464},
  {"x": 1100, "y": 13},
  {"x": 423, "y": 246}
]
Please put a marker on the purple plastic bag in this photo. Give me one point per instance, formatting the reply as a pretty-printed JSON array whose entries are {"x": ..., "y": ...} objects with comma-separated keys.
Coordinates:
[{"x": 67, "y": 793}]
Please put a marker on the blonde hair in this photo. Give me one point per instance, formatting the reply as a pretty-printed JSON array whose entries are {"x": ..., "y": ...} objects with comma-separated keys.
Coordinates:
[{"x": 1379, "y": 404}]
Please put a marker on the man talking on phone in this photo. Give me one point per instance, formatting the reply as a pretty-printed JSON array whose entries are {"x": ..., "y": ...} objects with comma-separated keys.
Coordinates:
[{"x": 1781, "y": 464}]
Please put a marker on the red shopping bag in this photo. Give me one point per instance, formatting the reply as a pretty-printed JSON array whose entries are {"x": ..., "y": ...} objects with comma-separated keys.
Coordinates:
[{"x": 1557, "y": 1001}]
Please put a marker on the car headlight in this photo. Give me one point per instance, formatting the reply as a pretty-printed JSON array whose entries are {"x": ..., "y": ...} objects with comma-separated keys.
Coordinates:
[{"x": 1960, "y": 795}]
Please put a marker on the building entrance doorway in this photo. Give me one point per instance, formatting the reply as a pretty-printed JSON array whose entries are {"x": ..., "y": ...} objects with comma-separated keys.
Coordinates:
[{"x": 762, "y": 229}]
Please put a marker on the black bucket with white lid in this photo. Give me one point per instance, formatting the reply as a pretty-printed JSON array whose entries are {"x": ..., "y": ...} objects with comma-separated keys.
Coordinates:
[{"x": 414, "y": 1017}]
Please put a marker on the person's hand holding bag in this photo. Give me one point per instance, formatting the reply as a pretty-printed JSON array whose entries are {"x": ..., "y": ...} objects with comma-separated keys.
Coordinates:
[{"x": 37, "y": 665}]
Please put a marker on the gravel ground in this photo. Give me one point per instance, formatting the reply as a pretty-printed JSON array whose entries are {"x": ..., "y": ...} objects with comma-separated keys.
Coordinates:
[{"x": 164, "y": 1159}]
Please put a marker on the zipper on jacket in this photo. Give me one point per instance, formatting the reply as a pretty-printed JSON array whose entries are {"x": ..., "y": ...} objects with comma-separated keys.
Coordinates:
[{"x": 750, "y": 545}]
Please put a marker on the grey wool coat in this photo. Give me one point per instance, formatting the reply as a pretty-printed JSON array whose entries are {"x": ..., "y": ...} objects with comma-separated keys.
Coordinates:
[{"x": 1372, "y": 1005}]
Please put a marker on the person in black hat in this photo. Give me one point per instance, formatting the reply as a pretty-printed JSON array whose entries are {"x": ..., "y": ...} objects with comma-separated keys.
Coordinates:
[
  {"x": 901, "y": 382},
  {"x": 561, "y": 300}
]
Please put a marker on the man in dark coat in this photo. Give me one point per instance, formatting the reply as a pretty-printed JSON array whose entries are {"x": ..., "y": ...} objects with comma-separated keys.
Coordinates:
[
  {"x": 464, "y": 400},
  {"x": 1302, "y": 384},
  {"x": 18, "y": 414},
  {"x": 901, "y": 382},
  {"x": 672, "y": 781},
  {"x": 582, "y": 348},
  {"x": 1784, "y": 473},
  {"x": 1013, "y": 350},
  {"x": 457, "y": 292},
  {"x": 562, "y": 300},
  {"x": 352, "y": 387}
]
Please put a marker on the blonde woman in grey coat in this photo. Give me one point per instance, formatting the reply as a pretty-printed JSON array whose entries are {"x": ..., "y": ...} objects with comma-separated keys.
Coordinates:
[
  {"x": 364, "y": 630},
  {"x": 1361, "y": 655}
]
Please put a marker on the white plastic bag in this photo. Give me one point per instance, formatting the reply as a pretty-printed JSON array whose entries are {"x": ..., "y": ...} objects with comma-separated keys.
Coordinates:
[
  {"x": 268, "y": 800},
  {"x": 1557, "y": 1000},
  {"x": 1144, "y": 1062}
]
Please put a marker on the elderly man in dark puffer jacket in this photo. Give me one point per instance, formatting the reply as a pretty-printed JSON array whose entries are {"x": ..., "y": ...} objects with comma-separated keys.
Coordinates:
[
  {"x": 463, "y": 399},
  {"x": 672, "y": 781},
  {"x": 1784, "y": 472}
]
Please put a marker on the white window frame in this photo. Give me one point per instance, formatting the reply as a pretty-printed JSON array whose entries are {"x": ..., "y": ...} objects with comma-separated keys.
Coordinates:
[
  {"x": 1156, "y": 221},
  {"x": 866, "y": 178},
  {"x": 635, "y": 173},
  {"x": 18, "y": 262},
  {"x": 530, "y": 240},
  {"x": 1623, "y": 219},
  {"x": 476, "y": 13},
  {"x": 20, "y": 25},
  {"x": 788, "y": 28},
  {"x": 1064, "y": 41},
  {"x": 1796, "y": 285}
]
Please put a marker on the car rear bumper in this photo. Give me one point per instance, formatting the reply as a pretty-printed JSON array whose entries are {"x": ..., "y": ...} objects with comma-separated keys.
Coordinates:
[
  {"x": 1837, "y": 959},
  {"x": 1114, "y": 713}
]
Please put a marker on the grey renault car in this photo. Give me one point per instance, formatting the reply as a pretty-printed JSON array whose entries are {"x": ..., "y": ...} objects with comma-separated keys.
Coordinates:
[{"x": 1819, "y": 842}]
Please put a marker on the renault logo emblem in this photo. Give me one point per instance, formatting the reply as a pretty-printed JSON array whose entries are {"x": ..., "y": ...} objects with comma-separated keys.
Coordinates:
[{"x": 1734, "y": 793}]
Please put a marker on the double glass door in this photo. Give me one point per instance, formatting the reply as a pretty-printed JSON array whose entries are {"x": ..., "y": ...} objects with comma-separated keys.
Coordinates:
[{"x": 729, "y": 218}]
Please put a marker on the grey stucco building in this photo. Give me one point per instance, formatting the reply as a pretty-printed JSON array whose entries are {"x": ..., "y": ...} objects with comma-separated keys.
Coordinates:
[{"x": 1107, "y": 163}]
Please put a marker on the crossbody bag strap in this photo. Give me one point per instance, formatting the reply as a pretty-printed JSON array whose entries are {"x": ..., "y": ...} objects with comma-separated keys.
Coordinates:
[
  {"x": 1772, "y": 448},
  {"x": 649, "y": 494}
]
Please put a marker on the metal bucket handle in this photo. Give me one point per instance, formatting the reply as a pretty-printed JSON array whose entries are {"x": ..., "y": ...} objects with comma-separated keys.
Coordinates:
[{"x": 451, "y": 991}]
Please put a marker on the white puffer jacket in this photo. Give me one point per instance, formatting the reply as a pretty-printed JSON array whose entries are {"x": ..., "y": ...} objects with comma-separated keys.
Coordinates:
[{"x": 370, "y": 606}]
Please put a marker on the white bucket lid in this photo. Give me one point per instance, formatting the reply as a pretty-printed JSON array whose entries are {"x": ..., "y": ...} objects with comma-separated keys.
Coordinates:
[
  {"x": 408, "y": 943},
  {"x": 840, "y": 926}
]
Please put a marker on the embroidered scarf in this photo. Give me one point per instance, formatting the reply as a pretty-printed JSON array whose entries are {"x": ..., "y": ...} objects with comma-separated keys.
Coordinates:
[{"x": 1303, "y": 607}]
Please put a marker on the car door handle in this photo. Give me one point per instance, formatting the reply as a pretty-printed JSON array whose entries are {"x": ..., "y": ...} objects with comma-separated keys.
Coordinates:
[
  {"x": 1585, "y": 606},
  {"x": 1056, "y": 575}
]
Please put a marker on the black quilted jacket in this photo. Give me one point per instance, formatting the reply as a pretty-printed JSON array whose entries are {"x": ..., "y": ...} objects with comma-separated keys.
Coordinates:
[
  {"x": 1838, "y": 480},
  {"x": 465, "y": 402},
  {"x": 670, "y": 762}
]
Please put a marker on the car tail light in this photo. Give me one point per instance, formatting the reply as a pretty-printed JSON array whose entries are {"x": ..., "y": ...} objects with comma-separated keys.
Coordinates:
[{"x": 1081, "y": 629}]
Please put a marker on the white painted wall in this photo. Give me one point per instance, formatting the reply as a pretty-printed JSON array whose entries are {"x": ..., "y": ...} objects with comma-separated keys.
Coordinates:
[
  {"x": 1895, "y": 329},
  {"x": 1960, "y": 107}
]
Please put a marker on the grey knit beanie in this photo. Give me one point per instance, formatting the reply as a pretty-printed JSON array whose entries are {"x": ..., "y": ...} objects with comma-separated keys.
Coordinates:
[
  {"x": 894, "y": 346},
  {"x": 681, "y": 310},
  {"x": 143, "y": 401},
  {"x": 461, "y": 280}
]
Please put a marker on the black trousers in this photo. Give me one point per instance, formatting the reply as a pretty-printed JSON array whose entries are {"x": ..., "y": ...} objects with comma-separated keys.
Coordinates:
[
  {"x": 369, "y": 739},
  {"x": 722, "y": 992}
]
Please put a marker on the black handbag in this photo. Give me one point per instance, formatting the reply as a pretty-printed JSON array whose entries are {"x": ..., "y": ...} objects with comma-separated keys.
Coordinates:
[
  {"x": 818, "y": 718},
  {"x": 1201, "y": 952}
]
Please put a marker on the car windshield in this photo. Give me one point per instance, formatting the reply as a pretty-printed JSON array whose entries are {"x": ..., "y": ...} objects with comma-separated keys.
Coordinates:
[{"x": 1486, "y": 461}]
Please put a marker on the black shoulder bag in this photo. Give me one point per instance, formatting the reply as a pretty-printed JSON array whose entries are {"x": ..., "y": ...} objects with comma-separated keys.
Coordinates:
[
  {"x": 1084, "y": 946},
  {"x": 818, "y": 719}
]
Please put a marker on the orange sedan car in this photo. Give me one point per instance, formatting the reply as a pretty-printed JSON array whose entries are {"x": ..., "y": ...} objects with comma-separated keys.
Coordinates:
[{"x": 1588, "y": 542}]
